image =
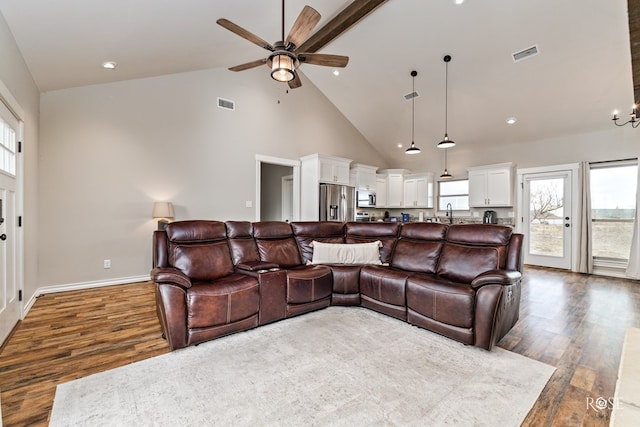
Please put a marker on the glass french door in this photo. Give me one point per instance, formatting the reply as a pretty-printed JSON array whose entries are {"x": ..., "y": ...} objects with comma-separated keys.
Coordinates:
[{"x": 547, "y": 219}]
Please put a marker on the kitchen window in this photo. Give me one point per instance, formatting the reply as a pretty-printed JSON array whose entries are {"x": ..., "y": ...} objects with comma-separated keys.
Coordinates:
[
  {"x": 455, "y": 192},
  {"x": 613, "y": 208}
]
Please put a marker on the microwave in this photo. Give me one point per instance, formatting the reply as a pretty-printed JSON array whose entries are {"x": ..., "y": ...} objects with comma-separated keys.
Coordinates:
[{"x": 366, "y": 199}]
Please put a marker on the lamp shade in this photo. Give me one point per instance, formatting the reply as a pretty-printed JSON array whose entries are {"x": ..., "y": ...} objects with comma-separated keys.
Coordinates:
[
  {"x": 282, "y": 67},
  {"x": 162, "y": 210}
]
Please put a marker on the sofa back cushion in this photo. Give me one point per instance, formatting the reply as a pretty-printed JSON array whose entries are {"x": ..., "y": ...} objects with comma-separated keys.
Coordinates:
[
  {"x": 324, "y": 231},
  {"x": 243, "y": 247},
  {"x": 364, "y": 232},
  {"x": 199, "y": 249},
  {"x": 276, "y": 243},
  {"x": 419, "y": 247},
  {"x": 472, "y": 249}
]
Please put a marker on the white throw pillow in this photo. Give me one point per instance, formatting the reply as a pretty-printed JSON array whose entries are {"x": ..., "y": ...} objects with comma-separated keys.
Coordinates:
[{"x": 346, "y": 253}]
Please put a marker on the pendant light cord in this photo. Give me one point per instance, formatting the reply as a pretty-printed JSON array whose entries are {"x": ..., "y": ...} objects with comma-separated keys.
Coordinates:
[
  {"x": 446, "y": 97},
  {"x": 413, "y": 109}
]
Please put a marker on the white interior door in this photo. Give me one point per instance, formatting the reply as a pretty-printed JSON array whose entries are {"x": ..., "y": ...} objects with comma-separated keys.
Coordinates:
[
  {"x": 547, "y": 222},
  {"x": 287, "y": 198},
  {"x": 10, "y": 305}
]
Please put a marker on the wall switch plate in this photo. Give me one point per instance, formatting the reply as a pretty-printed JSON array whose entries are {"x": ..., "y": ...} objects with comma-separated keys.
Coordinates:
[
  {"x": 476, "y": 214},
  {"x": 248, "y": 204},
  {"x": 510, "y": 214},
  {"x": 107, "y": 263}
]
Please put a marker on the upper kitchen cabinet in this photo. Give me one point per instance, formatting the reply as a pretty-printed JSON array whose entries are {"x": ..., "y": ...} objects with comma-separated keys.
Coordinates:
[
  {"x": 418, "y": 190},
  {"x": 491, "y": 186},
  {"x": 327, "y": 169},
  {"x": 363, "y": 177},
  {"x": 395, "y": 187}
]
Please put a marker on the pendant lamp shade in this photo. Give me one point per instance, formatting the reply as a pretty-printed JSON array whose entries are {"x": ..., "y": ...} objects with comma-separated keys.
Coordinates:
[
  {"x": 446, "y": 142},
  {"x": 445, "y": 174}
]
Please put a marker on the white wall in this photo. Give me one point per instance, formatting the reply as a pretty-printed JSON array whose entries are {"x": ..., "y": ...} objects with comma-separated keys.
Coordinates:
[
  {"x": 108, "y": 151},
  {"x": 15, "y": 76}
]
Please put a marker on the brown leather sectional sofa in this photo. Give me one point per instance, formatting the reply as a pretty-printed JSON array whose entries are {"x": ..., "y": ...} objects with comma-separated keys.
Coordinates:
[{"x": 215, "y": 278}]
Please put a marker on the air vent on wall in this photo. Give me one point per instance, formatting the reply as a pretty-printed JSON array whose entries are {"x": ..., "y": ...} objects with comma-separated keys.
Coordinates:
[
  {"x": 227, "y": 104},
  {"x": 524, "y": 54},
  {"x": 411, "y": 95}
]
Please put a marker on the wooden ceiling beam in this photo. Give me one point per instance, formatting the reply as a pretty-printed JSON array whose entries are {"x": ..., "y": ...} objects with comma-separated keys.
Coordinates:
[
  {"x": 634, "y": 35},
  {"x": 348, "y": 17}
]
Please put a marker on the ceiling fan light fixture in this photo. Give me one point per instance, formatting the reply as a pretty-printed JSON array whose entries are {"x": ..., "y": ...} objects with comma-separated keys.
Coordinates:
[{"x": 282, "y": 66}]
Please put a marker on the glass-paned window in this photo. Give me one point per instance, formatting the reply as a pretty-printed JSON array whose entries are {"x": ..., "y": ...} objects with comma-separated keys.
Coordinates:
[
  {"x": 7, "y": 148},
  {"x": 613, "y": 208},
  {"x": 455, "y": 192}
]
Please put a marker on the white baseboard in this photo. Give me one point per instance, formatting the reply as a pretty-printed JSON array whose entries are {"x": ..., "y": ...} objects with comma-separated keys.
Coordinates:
[{"x": 78, "y": 286}]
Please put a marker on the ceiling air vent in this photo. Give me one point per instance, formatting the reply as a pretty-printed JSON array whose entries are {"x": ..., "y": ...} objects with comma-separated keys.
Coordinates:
[
  {"x": 524, "y": 54},
  {"x": 411, "y": 95},
  {"x": 227, "y": 104}
]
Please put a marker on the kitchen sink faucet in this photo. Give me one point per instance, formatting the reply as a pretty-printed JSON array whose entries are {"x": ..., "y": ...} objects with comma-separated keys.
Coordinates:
[{"x": 450, "y": 213}]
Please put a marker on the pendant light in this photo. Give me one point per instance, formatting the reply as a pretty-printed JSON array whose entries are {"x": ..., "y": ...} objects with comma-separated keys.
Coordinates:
[
  {"x": 413, "y": 149},
  {"x": 445, "y": 174},
  {"x": 446, "y": 142}
]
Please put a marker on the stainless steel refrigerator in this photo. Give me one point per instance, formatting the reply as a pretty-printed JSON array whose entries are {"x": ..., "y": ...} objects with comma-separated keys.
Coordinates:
[{"x": 337, "y": 203}]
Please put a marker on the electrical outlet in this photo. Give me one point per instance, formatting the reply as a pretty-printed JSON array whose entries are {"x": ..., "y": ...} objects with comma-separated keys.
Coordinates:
[
  {"x": 107, "y": 263},
  {"x": 248, "y": 204},
  {"x": 476, "y": 214}
]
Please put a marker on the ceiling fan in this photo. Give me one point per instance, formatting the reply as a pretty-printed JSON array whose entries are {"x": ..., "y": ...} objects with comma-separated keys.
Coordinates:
[{"x": 287, "y": 54}]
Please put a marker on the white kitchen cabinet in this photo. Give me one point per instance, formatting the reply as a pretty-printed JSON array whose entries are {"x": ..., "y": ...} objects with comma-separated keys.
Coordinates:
[
  {"x": 395, "y": 187},
  {"x": 381, "y": 191},
  {"x": 491, "y": 186},
  {"x": 316, "y": 169},
  {"x": 363, "y": 177},
  {"x": 418, "y": 191},
  {"x": 333, "y": 170}
]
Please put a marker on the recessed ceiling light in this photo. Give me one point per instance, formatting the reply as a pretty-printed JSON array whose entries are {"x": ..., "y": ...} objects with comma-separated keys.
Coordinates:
[
  {"x": 459, "y": 1},
  {"x": 511, "y": 120},
  {"x": 336, "y": 72},
  {"x": 109, "y": 65},
  {"x": 399, "y": 145}
]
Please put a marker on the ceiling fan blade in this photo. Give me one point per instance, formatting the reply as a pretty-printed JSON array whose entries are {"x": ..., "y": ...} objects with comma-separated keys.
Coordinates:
[
  {"x": 244, "y": 34},
  {"x": 305, "y": 23},
  {"x": 323, "y": 59},
  {"x": 248, "y": 65},
  {"x": 349, "y": 16},
  {"x": 296, "y": 82}
]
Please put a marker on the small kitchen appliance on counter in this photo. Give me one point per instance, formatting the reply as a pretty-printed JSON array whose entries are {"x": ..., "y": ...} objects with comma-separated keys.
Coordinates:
[{"x": 490, "y": 217}]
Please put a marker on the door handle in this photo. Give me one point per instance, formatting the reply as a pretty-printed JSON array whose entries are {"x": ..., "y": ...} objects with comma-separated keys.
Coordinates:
[{"x": 3, "y": 236}]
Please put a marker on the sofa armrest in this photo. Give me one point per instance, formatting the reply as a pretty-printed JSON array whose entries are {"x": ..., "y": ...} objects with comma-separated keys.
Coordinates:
[
  {"x": 496, "y": 277},
  {"x": 170, "y": 275}
]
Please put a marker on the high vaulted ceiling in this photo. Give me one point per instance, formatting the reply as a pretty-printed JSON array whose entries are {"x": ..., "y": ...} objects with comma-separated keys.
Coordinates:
[{"x": 582, "y": 72}]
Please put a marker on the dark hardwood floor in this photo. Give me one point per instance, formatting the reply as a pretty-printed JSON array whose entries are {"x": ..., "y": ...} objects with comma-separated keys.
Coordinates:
[{"x": 573, "y": 322}]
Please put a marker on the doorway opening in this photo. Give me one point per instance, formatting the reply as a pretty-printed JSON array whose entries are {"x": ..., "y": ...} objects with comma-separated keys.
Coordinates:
[{"x": 277, "y": 189}]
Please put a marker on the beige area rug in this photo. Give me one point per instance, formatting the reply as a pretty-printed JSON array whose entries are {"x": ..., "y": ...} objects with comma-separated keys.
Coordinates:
[
  {"x": 338, "y": 366},
  {"x": 626, "y": 404}
]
